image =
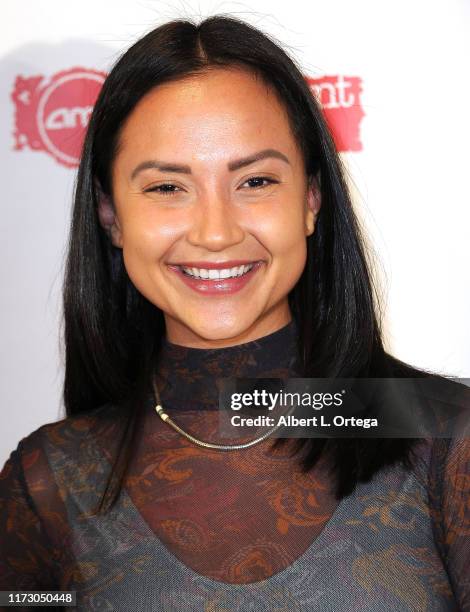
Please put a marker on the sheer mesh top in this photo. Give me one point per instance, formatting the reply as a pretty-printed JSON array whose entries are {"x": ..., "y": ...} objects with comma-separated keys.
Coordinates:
[{"x": 196, "y": 529}]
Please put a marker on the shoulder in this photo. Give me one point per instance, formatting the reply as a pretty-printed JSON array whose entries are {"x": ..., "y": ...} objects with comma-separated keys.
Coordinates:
[
  {"x": 37, "y": 456},
  {"x": 56, "y": 459},
  {"x": 443, "y": 403},
  {"x": 74, "y": 430},
  {"x": 448, "y": 396}
]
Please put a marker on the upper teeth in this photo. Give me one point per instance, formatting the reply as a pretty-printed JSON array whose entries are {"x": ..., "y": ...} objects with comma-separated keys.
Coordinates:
[{"x": 215, "y": 274}]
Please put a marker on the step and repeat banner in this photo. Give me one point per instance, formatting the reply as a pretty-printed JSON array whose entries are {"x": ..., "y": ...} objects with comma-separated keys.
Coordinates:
[{"x": 393, "y": 80}]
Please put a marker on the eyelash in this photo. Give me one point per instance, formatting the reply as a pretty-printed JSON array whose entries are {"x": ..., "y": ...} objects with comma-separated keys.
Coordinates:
[{"x": 157, "y": 188}]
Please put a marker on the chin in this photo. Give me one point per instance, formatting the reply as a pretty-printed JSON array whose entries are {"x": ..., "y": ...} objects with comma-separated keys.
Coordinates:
[{"x": 220, "y": 331}]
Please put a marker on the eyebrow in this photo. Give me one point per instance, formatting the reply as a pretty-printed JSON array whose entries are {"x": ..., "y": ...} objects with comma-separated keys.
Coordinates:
[{"x": 232, "y": 166}]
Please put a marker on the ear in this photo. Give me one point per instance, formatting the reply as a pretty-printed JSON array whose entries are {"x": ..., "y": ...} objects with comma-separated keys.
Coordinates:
[
  {"x": 108, "y": 217},
  {"x": 313, "y": 205}
]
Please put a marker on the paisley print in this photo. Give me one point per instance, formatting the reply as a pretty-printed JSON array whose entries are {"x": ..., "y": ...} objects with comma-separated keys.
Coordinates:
[{"x": 197, "y": 530}]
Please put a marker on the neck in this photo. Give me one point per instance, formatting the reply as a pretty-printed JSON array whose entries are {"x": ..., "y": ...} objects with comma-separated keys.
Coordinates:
[
  {"x": 178, "y": 333},
  {"x": 187, "y": 377}
]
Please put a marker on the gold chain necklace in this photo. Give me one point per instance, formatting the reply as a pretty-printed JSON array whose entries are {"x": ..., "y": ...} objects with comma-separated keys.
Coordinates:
[{"x": 166, "y": 419}]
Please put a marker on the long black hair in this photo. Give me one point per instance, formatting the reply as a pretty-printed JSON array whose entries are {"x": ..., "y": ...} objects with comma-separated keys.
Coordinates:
[{"x": 113, "y": 333}]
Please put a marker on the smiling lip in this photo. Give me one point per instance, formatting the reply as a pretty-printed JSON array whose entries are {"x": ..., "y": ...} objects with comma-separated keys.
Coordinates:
[
  {"x": 217, "y": 286},
  {"x": 207, "y": 265}
]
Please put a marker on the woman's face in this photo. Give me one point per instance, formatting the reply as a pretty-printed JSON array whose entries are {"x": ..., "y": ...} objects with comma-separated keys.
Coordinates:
[{"x": 209, "y": 174}]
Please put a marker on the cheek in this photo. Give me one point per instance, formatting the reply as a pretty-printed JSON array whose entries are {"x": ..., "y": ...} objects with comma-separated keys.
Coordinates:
[
  {"x": 285, "y": 239},
  {"x": 292, "y": 255},
  {"x": 144, "y": 244},
  {"x": 141, "y": 255},
  {"x": 143, "y": 237},
  {"x": 286, "y": 233}
]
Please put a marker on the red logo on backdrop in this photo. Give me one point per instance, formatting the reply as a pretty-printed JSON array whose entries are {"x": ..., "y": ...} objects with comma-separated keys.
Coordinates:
[
  {"x": 52, "y": 115},
  {"x": 339, "y": 97}
]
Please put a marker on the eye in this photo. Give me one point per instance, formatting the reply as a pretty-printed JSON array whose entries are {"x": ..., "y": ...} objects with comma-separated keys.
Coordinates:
[
  {"x": 164, "y": 189},
  {"x": 256, "y": 182},
  {"x": 168, "y": 189}
]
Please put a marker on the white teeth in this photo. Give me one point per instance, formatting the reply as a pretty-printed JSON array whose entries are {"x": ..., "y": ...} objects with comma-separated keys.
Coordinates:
[{"x": 217, "y": 274}]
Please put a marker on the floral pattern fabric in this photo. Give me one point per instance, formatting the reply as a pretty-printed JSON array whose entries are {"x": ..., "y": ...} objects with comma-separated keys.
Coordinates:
[{"x": 204, "y": 530}]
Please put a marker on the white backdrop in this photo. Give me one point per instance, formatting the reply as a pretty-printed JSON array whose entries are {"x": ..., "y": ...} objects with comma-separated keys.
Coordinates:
[{"x": 411, "y": 176}]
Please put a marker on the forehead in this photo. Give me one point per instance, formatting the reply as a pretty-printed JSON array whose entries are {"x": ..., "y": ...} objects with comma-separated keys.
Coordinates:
[{"x": 221, "y": 109}]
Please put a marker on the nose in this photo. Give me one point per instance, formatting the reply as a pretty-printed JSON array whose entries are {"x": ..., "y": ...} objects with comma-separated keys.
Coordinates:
[{"x": 215, "y": 224}]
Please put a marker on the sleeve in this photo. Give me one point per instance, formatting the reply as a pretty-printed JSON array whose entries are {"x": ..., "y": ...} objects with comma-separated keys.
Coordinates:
[
  {"x": 450, "y": 511},
  {"x": 25, "y": 550}
]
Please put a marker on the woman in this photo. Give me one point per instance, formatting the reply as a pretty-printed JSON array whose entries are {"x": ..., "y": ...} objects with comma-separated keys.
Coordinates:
[{"x": 213, "y": 237}]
